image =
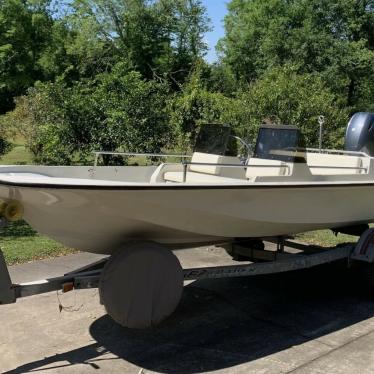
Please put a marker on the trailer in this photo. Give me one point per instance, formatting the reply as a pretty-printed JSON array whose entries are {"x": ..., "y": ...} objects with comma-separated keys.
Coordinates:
[{"x": 142, "y": 283}]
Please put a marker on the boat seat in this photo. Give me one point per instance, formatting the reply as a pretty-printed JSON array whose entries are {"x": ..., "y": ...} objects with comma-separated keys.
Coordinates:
[
  {"x": 201, "y": 173},
  {"x": 206, "y": 158},
  {"x": 216, "y": 169},
  {"x": 317, "y": 163},
  {"x": 193, "y": 177},
  {"x": 272, "y": 168}
]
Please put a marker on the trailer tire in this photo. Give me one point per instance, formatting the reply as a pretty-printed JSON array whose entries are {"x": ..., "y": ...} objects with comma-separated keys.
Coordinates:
[{"x": 141, "y": 284}]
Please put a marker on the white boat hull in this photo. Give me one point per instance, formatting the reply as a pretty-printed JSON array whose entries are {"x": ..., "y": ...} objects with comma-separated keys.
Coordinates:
[{"x": 100, "y": 218}]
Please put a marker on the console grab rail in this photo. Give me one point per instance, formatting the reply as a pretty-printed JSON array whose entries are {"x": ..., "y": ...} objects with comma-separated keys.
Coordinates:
[{"x": 336, "y": 151}]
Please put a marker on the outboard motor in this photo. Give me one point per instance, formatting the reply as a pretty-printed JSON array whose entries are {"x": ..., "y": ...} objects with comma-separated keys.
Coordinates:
[{"x": 359, "y": 136}]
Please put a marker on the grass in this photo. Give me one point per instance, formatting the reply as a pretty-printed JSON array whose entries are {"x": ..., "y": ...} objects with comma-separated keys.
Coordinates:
[
  {"x": 20, "y": 243},
  {"x": 325, "y": 238},
  {"x": 19, "y": 155}
]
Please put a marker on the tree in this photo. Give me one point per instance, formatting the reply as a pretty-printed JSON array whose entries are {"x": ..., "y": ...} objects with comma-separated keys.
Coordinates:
[
  {"x": 334, "y": 38},
  {"x": 5, "y": 145},
  {"x": 286, "y": 97},
  {"x": 161, "y": 39},
  {"x": 25, "y": 32},
  {"x": 157, "y": 38},
  {"x": 118, "y": 111},
  {"x": 195, "y": 105},
  {"x": 187, "y": 23},
  {"x": 281, "y": 95}
]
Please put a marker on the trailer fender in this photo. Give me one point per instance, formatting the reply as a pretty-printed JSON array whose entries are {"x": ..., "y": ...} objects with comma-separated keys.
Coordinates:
[{"x": 364, "y": 249}]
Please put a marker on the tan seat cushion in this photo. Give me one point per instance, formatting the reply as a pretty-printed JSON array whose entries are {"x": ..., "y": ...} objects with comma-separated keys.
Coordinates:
[
  {"x": 192, "y": 177},
  {"x": 206, "y": 158},
  {"x": 317, "y": 163},
  {"x": 229, "y": 172},
  {"x": 271, "y": 168}
]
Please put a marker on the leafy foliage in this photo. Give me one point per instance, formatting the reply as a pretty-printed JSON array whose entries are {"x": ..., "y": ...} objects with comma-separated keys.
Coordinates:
[
  {"x": 281, "y": 96},
  {"x": 22, "y": 35},
  {"x": 130, "y": 75},
  {"x": 5, "y": 134},
  {"x": 193, "y": 106},
  {"x": 157, "y": 38},
  {"x": 286, "y": 97},
  {"x": 119, "y": 110},
  {"x": 334, "y": 38},
  {"x": 5, "y": 146}
]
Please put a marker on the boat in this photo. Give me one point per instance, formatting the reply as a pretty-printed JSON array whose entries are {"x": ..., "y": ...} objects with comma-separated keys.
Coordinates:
[
  {"x": 136, "y": 214},
  {"x": 282, "y": 188}
]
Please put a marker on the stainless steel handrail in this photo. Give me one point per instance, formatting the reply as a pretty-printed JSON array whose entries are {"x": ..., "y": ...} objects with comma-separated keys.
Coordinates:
[
  {"x": 337, "y": 167},
  {"x": 245, "y": 144},
  {"x": 337, "y": 151},
  {"x": 98, "y": 153}
]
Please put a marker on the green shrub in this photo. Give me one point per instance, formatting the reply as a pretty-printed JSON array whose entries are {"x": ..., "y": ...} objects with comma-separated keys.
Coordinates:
[
  {"x": 5, "y": 146},
  {"x": 281, "y": 96},
  {"x": 5, "y": 134},
  {"x": 117, "y": 111},
  {"x": 193, "y": 106}
]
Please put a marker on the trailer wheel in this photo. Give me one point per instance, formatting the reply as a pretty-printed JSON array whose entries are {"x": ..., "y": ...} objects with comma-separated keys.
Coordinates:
[{"x": 141, "y": 284}]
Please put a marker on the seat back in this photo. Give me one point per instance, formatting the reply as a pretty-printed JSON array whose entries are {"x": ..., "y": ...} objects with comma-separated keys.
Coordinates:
[
  {"x": 327, "y": 164},
  {"x": 229, "y": 172},
  {"x": 206, "y": 158}
]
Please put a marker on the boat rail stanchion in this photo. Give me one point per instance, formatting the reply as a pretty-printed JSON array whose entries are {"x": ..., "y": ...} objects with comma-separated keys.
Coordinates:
[
  {"x": 185, "y": 164},
  {"x": 97, "y": 154}
]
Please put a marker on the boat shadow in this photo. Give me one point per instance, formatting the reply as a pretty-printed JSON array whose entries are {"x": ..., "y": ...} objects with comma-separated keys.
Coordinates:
[{"x": 227, "y": 322}]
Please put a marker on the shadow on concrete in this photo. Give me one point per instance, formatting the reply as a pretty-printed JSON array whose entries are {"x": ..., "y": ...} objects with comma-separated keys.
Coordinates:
[{"x": 227, "y": 322}]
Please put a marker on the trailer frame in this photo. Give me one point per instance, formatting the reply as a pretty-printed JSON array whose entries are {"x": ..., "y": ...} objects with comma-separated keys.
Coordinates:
[{"x": 264, "y": 261}]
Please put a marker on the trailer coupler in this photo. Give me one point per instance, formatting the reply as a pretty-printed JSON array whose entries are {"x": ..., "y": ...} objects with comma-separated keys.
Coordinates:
[{"x": 86, "y": 277}]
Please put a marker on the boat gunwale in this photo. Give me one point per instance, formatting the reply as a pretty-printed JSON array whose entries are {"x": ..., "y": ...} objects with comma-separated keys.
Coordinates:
[{"x": 187, "y": 186}]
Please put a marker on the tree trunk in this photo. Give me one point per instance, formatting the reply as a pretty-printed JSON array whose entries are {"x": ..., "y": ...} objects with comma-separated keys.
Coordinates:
[{"x": 351, "y": 92}]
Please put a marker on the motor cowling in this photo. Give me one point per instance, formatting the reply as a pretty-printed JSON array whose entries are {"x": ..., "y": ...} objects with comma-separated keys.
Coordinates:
[{"x": 359, "y": 135}]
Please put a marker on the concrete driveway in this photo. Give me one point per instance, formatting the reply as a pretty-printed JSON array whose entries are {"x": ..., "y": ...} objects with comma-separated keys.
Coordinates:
[{"x": 315, "y": 321}]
